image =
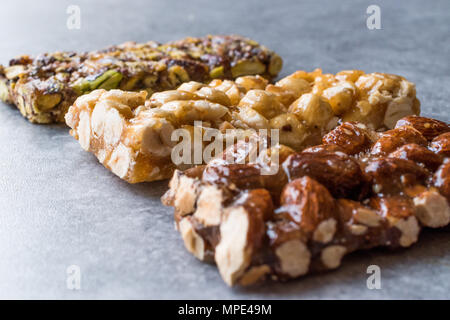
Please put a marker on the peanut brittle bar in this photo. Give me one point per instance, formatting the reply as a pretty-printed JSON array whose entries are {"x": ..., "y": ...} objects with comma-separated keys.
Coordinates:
[
  {"x": 43, "y": 88},
  {"x": 132, "y": 136},
  {"x": 359, "y": 189}
]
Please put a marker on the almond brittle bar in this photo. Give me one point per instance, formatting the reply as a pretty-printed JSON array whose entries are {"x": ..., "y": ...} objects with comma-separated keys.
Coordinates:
[
  {"x": 43, "y": 88},
  {"x": 359, "y": 189}
]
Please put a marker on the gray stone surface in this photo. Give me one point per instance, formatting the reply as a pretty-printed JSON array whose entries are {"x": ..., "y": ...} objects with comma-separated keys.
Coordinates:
[{"x": 59, "y": 207}]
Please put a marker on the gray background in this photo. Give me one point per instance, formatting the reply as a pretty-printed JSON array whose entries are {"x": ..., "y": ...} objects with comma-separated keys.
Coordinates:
[{"x": 59, "y": 207}]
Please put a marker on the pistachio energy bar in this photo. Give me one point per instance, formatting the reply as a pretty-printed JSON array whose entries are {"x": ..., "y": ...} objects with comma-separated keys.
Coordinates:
[{"x": 44, "y": 87}]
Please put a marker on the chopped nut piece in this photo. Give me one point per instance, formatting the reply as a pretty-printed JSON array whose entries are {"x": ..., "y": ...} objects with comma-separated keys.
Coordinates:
[
  {"x": 84, "y": 130},
  {"x": 400, "y": 214},
  {"x": 341, "y": 96},
  {"x": 432, "y": 209},
  {"x": 294, "y": 258},
  {"x": 331, "y": 256},
  {"x": 358, "y": 229},
  {"x": 289, "y": 89},
  {"x": 410, "y": 231},
  {"x": 233, "y": 253},
  {"x": 241, "y": 232},
  {"x": 247, "y": 67},
  {"x": 387, "y": 92},
  {"x": 120, "y": 160},
  {"x": 14, "y": 71},
  {"x": 368, "y": 217},
  {"x": 217, "y": 72},
  {"x": 241, "y": 176},
  {"x": 275, "y": 65},
  {"x": 398, "y": 108},
  {"x": 193, "y": 242},
  {"x": 184, "y": 198},
  {"x": 292, "y": 132},
  {"x": 325, "y": 231},
  {"x": 209, "y": 206},
  {"x": 251, "y": 83},
  {"x": 179, "y": 181},
  {"x": 263, "y": 102},
  {"x": 47, "y": 101}
]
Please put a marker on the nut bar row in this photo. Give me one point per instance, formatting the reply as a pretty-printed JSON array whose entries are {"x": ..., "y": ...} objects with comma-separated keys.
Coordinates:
[
  {"x": 43, "y": 88},
  {"x": 359, "y": 189},
  {"x": 132, "y": 137}
]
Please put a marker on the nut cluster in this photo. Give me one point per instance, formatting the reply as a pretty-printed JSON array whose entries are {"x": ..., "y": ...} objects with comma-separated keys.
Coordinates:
[
  {"x": 131, "y": 136},
  {"x": 306, "y": 105},
  {"x": 359, "y": 189}
]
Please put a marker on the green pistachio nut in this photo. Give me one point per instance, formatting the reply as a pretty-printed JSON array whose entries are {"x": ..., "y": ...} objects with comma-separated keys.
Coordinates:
[
  {"x": 22, "y": 107},
  {"x": 46, "y": 102},
  {"x": 177, "y": 54},
  {"x": 150, "y": 80},
  {"x": 81, "y": 86},
  {"x": 216, "y": 72},
  {"x": 247, "y": 67},
  {"x": 108, "y": 80},
  {"x": 100, "y": 81},
  {"x": 196, "y": 54},
  {"x": 252, "y": 42},
  {"x": 153, "y": 55},
  {"x": 177, "y": 75},
  {"x": 162, "y": 47},
  {"x": 275, "y": 65},
  {"x": 149, "y": 91},
  {"x": 129, "y": 84},
  {"x": 4, "y": 92},
  {"x": 112, "y": 82}
]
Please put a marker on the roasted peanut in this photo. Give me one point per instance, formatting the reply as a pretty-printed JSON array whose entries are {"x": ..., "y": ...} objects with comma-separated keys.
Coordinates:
[
  {"x": 263, "y": 102},
  {"x": 313, "y": 109}
]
